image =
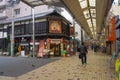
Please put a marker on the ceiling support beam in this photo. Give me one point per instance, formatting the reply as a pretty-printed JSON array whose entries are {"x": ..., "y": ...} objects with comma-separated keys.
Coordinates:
[{"x": 91, "y": 18}]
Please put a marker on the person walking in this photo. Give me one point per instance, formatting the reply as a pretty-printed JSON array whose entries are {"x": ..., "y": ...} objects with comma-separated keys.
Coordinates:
[{"x": 83, "y": 52}]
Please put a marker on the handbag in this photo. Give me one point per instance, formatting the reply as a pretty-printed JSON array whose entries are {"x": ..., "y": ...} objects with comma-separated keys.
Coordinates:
[{"x": 79, "y": 56}]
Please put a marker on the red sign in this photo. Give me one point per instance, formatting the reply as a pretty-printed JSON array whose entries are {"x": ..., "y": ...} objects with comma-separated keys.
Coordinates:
[
  {"x": 112, "y": 36},
  {"x": 71, "y": 31},
  {"x": 48, "y": 40},
  {"x": 55, "y": 26},
  {"x": 41, "y": 47}
]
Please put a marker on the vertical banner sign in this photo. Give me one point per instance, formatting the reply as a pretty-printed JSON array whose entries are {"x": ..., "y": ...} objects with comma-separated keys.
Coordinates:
[
  {"x": 112, "y": 36},
  {"x": 41, "y": 47}
]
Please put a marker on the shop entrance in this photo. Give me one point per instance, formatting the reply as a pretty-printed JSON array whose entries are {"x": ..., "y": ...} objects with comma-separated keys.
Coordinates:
[{"x": 55, "y": 49}]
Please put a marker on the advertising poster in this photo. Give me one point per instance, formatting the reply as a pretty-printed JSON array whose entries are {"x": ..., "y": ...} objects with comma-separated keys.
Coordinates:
[
  {"x": 112, "y": 36},
  {"x": 71, "y": 31},
  {"x": 41, "y": 47},
  {"x": 55, "y": 26}
]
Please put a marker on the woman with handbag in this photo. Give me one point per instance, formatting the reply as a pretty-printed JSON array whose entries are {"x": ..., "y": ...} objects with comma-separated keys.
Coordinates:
[{"x": 82, "y": 54}]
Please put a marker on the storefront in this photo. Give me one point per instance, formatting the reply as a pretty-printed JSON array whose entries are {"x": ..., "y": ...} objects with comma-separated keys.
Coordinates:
[
  {"x": 51, "y": 33},
  {"x": 117, "y": 33},
  {"x": 111, "y": 42}
]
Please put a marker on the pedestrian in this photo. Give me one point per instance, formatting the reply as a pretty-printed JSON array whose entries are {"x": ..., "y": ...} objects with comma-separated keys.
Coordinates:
[
  {"x": 83, "y": 52},
  {"x": 95, "y": 48}
]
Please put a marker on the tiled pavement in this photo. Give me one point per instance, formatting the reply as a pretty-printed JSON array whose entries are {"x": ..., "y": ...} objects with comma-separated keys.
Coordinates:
[{"x": 70, "y": 68}]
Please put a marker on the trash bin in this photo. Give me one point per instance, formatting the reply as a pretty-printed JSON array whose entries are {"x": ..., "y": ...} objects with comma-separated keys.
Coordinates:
[
  {"x": 22, "y": 53},
  {"x": 63, "y": 53}
]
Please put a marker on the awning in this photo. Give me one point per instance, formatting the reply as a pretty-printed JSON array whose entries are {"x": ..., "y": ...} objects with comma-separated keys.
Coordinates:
[{"x": 34, "y": 3}]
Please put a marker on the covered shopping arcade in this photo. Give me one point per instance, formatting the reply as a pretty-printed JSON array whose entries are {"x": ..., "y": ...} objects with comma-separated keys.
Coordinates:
[{"x": 90, "y": 14}]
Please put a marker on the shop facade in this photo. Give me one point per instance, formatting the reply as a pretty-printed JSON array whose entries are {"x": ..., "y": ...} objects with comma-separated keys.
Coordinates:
[
  {"x": 111, "y": 39},
  {"x": 117, "y": 32},
  {"x": 52, "y": 32}
]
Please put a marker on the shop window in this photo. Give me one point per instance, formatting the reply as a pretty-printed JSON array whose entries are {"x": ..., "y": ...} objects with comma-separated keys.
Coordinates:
[
  {"x": 28, "y": 28},
  {"x": 19, "y": 30},
  {"x": 17, "y": 11},
  {"x": 41, "y": 27},
  {"x": 22, "y": 30},
  {"x": 9, "y": 30},
  {"x": 65, "y": 29}
]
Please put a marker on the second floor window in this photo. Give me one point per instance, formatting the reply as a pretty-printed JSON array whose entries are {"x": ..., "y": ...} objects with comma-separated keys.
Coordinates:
[
  {"x": 17, "y": 11},
  {"x": 1, "y": 10}
]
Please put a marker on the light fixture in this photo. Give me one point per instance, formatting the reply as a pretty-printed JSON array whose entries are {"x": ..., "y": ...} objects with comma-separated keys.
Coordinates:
[
  {"x": 87, "y": 14},
  {"x": 93, "y": 13}
]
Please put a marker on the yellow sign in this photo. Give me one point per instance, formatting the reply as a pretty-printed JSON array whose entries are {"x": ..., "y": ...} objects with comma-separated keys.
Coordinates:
[{"x": 19, "y": 48}]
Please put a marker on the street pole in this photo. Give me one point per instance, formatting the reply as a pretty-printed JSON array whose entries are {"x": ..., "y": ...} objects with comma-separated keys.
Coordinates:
[
  {"x": 33, "y": 17},
  {"x": 2, "y": 39},
  {"x": 81, "y": 35},
  {"x": 12, "y": 35},
  {"x": 74, "y": 37}
]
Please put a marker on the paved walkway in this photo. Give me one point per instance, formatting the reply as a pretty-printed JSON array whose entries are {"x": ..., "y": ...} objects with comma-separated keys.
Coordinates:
[{"x": 70, "y": 68}]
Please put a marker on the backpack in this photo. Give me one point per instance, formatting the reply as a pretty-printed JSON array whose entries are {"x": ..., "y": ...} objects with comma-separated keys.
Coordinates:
[
  {"x": 83, "y": 49},
  {"x": 78, "y": 49}
]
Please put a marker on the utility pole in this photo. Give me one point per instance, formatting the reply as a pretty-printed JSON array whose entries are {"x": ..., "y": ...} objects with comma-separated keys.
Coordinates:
[
  {"x": 12, "y": 35},
  {"x": 33, "y": 17},
  {"x": 74, "y": 50},
  {"x": 12, "y": 3}
]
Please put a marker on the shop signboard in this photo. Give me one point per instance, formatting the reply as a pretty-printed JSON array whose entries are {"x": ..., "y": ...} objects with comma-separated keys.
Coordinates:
[
  {"x": 41, "y": 47},
  {"x": 55, "y": 26},
  {"x": 57, "y": 41},
  {"x": 36, "y": 43},
  {"x": 71, "y": 31},
  {"x": 112, "y": 36}
]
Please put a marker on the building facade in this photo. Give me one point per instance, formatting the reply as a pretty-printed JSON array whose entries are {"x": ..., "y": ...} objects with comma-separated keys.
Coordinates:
[
  {"x": 3, "y": 12},
  {"x": 20, "y": 10},
  {"x": 51, "y": 32},
  {"x": 117, "y": 33},
  {"x": 45, "y": 37}
]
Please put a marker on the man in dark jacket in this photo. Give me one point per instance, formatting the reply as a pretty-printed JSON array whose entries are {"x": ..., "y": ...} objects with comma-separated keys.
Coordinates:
[{"x": 83, "y": 52}]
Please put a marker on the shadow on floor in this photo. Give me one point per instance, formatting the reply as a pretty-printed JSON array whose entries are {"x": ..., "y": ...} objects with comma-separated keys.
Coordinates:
[{"x": 14, "y": 67}]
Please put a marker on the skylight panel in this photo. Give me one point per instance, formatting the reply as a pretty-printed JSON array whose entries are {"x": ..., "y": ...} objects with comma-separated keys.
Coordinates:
[
  {"x": 89, "y": 23},
  {"x": 83, "y": 3},
  {"x": 93, "y": 12},
  {"x": 86, "y": 14},
  {"x": 92, "y": 3}
]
